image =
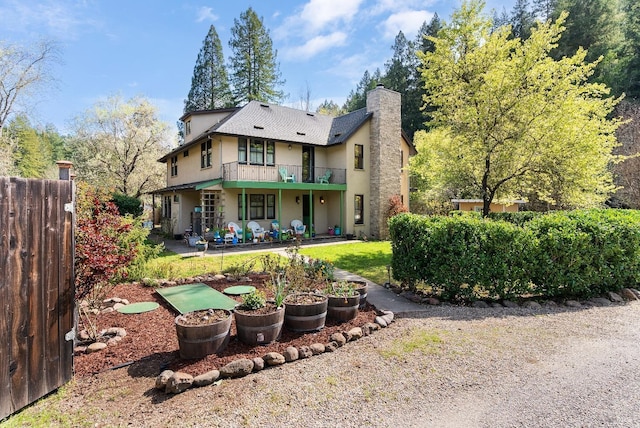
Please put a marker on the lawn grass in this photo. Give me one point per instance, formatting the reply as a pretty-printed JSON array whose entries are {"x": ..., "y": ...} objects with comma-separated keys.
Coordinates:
[{"x": 367, "y": 259}]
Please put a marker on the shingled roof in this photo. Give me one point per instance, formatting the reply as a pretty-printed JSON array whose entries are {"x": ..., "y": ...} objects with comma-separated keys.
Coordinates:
[{"x": 273, "y": 122}]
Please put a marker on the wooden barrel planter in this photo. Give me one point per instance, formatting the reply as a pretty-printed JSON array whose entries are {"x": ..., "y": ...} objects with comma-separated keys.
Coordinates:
[
  {"x": 362, "y": 288},
  {"x": 341, "y": 308},
  {"x": 200, "y": 340},
  {"x": 305, "y": 312},
  {"x": 259, "y": 328}
]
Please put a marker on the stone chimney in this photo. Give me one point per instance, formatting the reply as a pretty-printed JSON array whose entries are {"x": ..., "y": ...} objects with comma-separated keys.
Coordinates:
[{"x": 385, "y": 155}]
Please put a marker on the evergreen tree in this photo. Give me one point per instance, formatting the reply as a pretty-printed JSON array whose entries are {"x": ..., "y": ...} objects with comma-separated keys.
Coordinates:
[
  {"x": 522, "y": 19},
  {"x": 210, "y": 83},
  {"x": 358, "y": 99},
  {"x": 544, "y": 10},
  {"x": 630, "y": 77},
  {"x": 330, "y": 108},
  {"x": 255, "y": 72},
  {"x": 426, "y": 44}
]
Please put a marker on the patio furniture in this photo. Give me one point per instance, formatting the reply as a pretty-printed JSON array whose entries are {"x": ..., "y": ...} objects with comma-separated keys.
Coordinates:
[
  {"x": 234, "y": 231},
  {"x": 298, "y": 227},
  {"x": 257, "y": 231},
  {"x": 285, "y": 175},
  {"x": 324, "y": 179}
]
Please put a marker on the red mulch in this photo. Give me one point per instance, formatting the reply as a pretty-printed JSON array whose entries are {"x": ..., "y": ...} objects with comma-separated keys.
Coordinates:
[{"x": 151, "y": 344}]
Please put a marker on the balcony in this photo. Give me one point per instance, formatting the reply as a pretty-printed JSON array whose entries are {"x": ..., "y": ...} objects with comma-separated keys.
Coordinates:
[{"x": 234, "y": 171}]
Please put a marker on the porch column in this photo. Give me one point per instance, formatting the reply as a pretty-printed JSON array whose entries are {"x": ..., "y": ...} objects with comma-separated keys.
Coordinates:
[
  {"x": 311, "y": 216},
  {"x": 244, "y": 212},
  {"x": 341, "y": 211},
  {"x": 280, "y": 214}
]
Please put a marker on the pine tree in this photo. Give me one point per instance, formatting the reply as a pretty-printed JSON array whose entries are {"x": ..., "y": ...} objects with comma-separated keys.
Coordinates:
[
  {"x": 630, "y": 78},
  {"x": 522, "y": 19},
  {"x": 210, "y": 83},
  {"x": 358, "y": 99},
  {"x": 544, "y": 10},
  {"x": 255, "y": 72}
]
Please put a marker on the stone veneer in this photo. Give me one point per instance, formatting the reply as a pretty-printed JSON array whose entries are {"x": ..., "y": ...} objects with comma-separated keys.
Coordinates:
[{"x": 385, "y": 156}]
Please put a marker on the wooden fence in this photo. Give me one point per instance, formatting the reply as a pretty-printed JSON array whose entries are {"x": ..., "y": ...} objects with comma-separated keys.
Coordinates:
[{"x": 36, "y": 289}]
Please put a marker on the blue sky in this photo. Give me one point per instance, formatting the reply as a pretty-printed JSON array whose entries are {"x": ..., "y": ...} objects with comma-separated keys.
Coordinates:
[{"x": 149, "y": 48}]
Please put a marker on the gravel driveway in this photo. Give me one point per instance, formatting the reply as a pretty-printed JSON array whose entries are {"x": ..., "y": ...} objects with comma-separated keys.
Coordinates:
[{"x": 456, "y": 367}]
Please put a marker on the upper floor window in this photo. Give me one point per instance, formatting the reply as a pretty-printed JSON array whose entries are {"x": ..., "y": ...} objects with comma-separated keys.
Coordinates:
[
  {"x": 205, "y": 154},
  {"x": 260, "y": 152},
  {"x": 358, "y": 204},
  {"x": 358, "y": 154},
  {"x": 185, "y": 154},
  {"x": 187, "y": 127},
  {"x": 242, "y": 150},
  {"x": 174, "y": 166}
]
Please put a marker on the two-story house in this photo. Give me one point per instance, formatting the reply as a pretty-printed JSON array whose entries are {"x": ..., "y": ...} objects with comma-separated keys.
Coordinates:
[{"x": 264, "y": 162}]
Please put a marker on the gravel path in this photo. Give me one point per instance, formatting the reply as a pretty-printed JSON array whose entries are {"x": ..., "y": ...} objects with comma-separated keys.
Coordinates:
[{"x": 456, "y": 367}]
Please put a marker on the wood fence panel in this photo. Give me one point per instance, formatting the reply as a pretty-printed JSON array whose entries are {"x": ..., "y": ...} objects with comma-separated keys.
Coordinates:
[
  {"x": 37, "y": 297},
  {"x": 5, "y": 357}
]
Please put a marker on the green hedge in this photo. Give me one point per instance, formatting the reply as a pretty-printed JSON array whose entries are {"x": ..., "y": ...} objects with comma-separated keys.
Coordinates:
[{"x": 578, "y": 254}]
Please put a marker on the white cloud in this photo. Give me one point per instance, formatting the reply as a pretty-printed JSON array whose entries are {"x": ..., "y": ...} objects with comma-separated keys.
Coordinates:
[
  {"x": 383, "y": 6},
  {"x": 317, "y": 14},
  {"x": 316, "y": 45},
  {"x": 206, "y": 14},
  {"x": 409, "y": 22}
]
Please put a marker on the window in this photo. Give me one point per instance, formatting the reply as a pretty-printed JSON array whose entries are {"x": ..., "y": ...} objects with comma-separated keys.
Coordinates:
[
  {"x": 187, "y": 127},
  {"x": 174, "y": 166},
  {"x": 271, "y": 153},
  {"x": 359, "y": 156},
  {"x": 256, "y": 154},
  {"x": 185, "y": 154},
  {"x": 166, "y": 207},
  {"x": 255, "y": 206},
  {"x": 242, "y": 150},
  {"x": 271, "y": 206},
  {"x": 359, "y": 209},
  {"x": 205, "y": 154}
]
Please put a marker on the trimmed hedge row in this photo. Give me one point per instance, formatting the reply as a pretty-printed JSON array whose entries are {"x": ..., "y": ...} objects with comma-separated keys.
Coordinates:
[{"x": 562, "y": 254}]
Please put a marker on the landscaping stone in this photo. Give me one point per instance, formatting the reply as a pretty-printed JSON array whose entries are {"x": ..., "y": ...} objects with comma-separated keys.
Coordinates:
[
  {"x": 600, "y": 301},
  {"x": 95, "y": 347},
  {"x": 178, "y": 382},
  {"x": 258, "y": 364},
  {"x": 510, "y": 304},
  {"x": 290, "y": 354},
  {"x": 304, "y": 352},
  {"x": 163, "y": 378},
  {"x": 387, "y": 317},
  {"x": 480, "y": 304},
  {"x": 331, "y": 346},
  {"x": 206, "y": 378},
  {"x": 317, "y": 348},
  {"x": 381, "y": 322},
  {"x": 338, "y": 338},
  {"x": 573, "y": 304},
  {"x": 237, "y": 368},
  {"x": 431, "y": 301},
  {"x": 347, "y": 336},
  {"x": 550, "y": 304},
  {"x": 532, "y": 304},
  {"x": 496, "y": 305},
  {"x": 628, "y": 294},
  {"x": 636, "y": 292},
  {"x": 615, "y": 297},
  {"x": 274, "y": 359},
  {"x": 355, "y": 333},
  {"x": 219, "y": 277}
]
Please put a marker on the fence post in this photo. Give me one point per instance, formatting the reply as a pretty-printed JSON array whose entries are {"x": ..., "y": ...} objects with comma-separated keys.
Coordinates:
[{"x": 64, "y": 169}]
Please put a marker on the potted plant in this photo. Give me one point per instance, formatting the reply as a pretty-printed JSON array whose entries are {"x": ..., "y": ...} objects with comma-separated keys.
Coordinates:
[
  {"x": 343, "y": 302},
  {"x": 202, "y": 244},
  {"x": 201, "y": 333},
  {"x": 259, "y": 321}
]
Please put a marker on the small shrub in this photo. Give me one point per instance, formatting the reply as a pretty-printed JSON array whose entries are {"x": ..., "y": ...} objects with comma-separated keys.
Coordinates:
[{"x": 254, "y": 300}]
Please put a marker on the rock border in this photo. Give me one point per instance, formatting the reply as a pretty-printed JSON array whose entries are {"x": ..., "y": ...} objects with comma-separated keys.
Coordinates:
[
  {"x": 610, "y": 298},
  {"x": 176, "y": 382}
]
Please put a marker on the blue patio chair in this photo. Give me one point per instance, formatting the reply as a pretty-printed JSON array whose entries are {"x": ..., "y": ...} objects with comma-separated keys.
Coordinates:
[
  {"x": 325, "y": 178},
  {"x": 285, "y": 175}
]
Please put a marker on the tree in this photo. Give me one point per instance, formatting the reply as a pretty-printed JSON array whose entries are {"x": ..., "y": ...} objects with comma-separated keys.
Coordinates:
[
  {"x": 544, "y": 10},
  {"x": 330, "y": 108},
  {"x": 31, "y": 155},
  {"x": 358, "y": 99},
  {"x": 627, "y": 172},
  {"x": 22, "y": 72},
  {"x": 210, "y": 83},
  {"x": 630, "y": 78},
  {"x": 522, "y": 19},
  {"x": 593, "y": 25},
  {"x": 255, "y": 72},
  {"x": 512, "y": 121},
  {"x": 117, "y": 144}
]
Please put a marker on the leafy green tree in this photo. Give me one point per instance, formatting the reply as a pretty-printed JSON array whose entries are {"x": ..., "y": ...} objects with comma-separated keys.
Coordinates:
[
  {"x": 255, "y": 72},
  {"x": 210, "y": 83},
  {"x": 31, "y": 155},
  {"x": 117, "y": 144},
  {"x": 510, "y": 120}
]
